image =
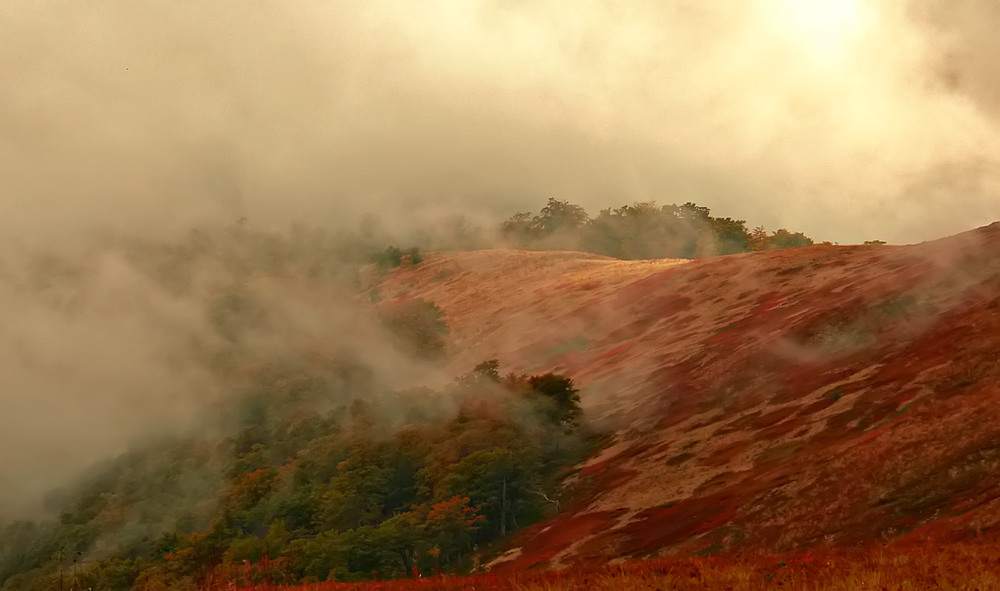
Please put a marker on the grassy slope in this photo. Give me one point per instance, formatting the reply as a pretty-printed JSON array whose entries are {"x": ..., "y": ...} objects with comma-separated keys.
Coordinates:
[
  {"x": 768, "y": 402},
  {"x": 961, "y": 566}
]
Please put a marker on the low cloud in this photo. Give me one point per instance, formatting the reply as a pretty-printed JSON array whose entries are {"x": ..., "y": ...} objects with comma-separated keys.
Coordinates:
[{"x": 847, "y": 120}]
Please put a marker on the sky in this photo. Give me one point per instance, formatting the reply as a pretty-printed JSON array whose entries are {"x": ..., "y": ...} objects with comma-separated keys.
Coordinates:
[
  {"x": 848, "y": 120},
  {"x": 845, "y": 119}
]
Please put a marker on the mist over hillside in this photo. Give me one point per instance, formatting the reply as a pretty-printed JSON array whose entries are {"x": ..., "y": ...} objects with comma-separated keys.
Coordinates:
[
  {"x": 192, "y": 196},
  {"x": 130, "y": 339}
]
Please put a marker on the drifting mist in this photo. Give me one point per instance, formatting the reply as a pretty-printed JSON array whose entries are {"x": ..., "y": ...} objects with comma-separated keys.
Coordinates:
[{"x": 843, "y": 118}]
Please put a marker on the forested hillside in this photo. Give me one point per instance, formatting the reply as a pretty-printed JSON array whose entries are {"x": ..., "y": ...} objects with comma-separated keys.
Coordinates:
[
  {"x": 382, "y": 485},
  {"x": 311, "y": 454}
]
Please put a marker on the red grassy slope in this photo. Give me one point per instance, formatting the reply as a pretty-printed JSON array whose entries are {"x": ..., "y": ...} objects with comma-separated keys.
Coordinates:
[
  {"x": 953, "y": 566},
  {"x": 769, "y": 401}
]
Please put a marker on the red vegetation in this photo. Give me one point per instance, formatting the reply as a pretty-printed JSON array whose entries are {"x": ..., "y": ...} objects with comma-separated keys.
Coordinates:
[
  {"x": 763, "y": 402},
  {"x": 920, "y": 566}
]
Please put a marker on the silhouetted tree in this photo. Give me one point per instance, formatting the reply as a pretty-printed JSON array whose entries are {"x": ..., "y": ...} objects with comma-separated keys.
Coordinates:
[
  {"x": 557, "y": 224},
  {"x": 784, "y": 239},
  {"x": 731, "y": 236},
  {"x": 487, "y": 372},
  {"x": 561, "y": 394}
]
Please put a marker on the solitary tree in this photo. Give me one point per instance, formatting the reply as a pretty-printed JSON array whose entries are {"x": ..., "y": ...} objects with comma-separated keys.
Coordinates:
[{"x": 561, "y": 395}]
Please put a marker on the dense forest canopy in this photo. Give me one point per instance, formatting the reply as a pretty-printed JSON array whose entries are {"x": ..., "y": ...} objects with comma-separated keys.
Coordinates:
[{"x": 383, "y": 484}]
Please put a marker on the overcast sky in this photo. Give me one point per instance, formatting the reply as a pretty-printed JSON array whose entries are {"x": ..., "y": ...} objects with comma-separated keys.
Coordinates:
[{"x": 844, "y": 119}]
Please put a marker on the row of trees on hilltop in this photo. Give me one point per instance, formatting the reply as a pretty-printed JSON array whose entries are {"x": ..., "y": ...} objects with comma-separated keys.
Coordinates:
[{"x": 642, "y": 231}]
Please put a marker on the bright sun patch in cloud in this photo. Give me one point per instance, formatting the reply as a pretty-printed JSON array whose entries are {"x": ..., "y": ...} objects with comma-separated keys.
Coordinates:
[
  {"x": 823, "y": 16},
  {"x": 823, "y": 28}
]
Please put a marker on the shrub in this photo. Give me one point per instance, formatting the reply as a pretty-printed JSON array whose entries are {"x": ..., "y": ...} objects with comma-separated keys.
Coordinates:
[{"x": 419, "y": 325}]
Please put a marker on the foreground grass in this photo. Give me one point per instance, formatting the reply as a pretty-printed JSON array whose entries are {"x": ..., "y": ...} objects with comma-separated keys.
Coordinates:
[{"x": 957, "y": 566}]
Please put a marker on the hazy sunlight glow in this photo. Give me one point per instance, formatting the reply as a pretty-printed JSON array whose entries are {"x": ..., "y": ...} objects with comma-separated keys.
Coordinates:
[{"x": 821, "y": 27}]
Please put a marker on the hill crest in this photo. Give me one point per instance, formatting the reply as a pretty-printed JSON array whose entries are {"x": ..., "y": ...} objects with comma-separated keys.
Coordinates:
[{"x": 818, "y": 396}]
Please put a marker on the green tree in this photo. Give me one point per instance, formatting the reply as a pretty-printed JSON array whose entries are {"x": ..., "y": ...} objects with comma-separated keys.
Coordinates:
[
  {"x": 419, "y": 325},
  {"x": 317, "y": 558},
  {"x": 562, "y": 399},
  {"x": 758, "y": 238},
  {"x": 390, "y": 258},
  {"x": 413, "y": 256},
  {"x": 782, "y": 239},
  {"x": 731, "y": 236},
  {"x": 485, "y": 373},
  {"x": 356, "y": 495},
  {"x": 640, "y": 231},
  {"x": 646, "y": 230},
  {"x": 452, "y": 524},
  {"x": 559, "y": 216},
  {"x": 558, "y": 224},
  {"x": 404, "y": 535},
  {"x": 497, "y": 481},
  {"x": 518, "y": 229},
  {"x": 393, "y": 257}
]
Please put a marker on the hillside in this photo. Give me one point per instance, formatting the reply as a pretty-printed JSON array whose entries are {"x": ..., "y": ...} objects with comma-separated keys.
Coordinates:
[{"x": 822, "y": 396}]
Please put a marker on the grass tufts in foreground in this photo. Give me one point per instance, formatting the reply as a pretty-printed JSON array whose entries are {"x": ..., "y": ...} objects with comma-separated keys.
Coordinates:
[{"x": 963, "y": 566}]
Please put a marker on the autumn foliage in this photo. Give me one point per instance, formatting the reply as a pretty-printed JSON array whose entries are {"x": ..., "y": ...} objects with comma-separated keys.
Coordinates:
[{"x": 388, "y": 485}]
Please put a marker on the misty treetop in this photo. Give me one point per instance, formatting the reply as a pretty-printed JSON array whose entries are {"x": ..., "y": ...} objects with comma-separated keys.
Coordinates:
[
  {"x": 393, "y": 257},
  {"x": 418, "y": 326},
  {"x": 642, "y": 231}
]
